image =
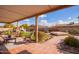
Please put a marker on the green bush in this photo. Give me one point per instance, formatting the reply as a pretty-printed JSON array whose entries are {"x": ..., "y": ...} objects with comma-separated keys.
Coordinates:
[
  {"x": 8, "y": 25},
  {"x": 25, "y": 34},
  {"x": 42, "y": 36},
  {"x": 71, "y": 41},
  {"x": 74, "y": 31},
  {"x": 7, "y": 32},
  {"x": 25, "y": 26},
  {"x": 33, "y": 36}
]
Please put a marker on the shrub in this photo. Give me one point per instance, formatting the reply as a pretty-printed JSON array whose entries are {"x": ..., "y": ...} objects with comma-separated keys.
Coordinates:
[
  {"x": 7, "y": 32},
  {"x": 25, "y": 26},
  {"x": 42, "y": 36},
  {"x": 33, "y": 36},
  {"x": 71, "y": 41},
  {"x": 7, "y": 25},
  {"x": 74, "y": 31},
  {"x": 25, "y": 34}
]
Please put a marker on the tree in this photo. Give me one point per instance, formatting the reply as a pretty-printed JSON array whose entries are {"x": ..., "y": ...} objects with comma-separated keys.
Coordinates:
[
  {"x": 32, "y": 27},
  {"x": 9, "y": 25},
  {"x": 25, "y": 26},
  {"x": 71, "y": 23}
]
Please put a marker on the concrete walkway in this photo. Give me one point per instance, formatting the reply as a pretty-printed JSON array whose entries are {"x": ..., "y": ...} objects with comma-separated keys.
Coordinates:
[{"x": 49, "y": 47}]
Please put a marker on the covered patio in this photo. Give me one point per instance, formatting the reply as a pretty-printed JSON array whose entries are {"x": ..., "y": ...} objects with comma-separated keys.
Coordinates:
[{"x": 15, "y": 13}]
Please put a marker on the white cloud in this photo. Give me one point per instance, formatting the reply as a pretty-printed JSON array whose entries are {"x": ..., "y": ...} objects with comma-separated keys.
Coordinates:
[
  {"x": 64, "y": 22},
  {"x": 61, "y": 22},
  {"x": 45, "y": 23},
  {"x": 74, "y": 19},
  {"x": 42, "y": 16},
  {"x": 68, "y": 21},
  {"x": 70, "y": 18}
]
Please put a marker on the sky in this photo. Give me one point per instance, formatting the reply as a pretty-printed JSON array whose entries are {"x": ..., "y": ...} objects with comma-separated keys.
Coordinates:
[{"x": 63, "y": 16}]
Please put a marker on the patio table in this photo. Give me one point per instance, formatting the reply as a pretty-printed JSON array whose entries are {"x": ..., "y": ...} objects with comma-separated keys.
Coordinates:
[{"x": 6, "y": 38}]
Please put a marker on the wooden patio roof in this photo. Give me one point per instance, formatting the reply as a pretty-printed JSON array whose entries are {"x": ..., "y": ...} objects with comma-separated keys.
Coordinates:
[{"x": 13, "y": 13}]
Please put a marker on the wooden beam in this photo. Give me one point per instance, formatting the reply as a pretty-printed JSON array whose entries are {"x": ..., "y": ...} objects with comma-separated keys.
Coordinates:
[
  {"x": 44, "y": 12},
  {"x": 12, "y": 11},
  {"x": 36, "y": 27}
]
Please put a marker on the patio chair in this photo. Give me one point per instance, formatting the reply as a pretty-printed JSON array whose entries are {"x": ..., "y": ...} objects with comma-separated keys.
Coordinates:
[
  {"x": 26, "y": 39},
  {"x": 9, "y": 37}
]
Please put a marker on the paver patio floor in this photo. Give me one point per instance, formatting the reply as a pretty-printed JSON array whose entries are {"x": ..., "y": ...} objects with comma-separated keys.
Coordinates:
[{"x": 49, "y": 47}]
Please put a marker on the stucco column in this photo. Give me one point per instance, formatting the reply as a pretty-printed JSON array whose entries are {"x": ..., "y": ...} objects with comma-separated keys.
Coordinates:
[{"x": 36, "y": 28}]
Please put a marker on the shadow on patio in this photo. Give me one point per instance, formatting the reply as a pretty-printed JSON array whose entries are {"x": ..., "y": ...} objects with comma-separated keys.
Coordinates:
[
  {"x": 24, "y": 52},
  {"x": 3, "y": 50}
]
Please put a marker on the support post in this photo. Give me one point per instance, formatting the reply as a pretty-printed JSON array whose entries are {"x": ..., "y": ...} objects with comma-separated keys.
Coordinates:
[{"x": 36, "y": 28}]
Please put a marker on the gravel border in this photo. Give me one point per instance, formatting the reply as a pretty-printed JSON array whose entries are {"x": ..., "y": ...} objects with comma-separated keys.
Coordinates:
[{"x": 63, "y": 48}]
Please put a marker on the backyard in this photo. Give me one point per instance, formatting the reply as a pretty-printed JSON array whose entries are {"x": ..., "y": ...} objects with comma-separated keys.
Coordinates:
[
  {"x": 27, "y": 31},
  {"x": 23, "y": 41}
]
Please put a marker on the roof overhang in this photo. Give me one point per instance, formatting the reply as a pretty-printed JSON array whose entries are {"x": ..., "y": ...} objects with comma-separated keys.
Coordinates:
[{"x": 13, "y": 13}]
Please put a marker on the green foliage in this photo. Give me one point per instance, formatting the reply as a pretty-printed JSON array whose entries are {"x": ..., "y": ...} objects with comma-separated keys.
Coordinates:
[
  {"x": 74, "y": 31},
  {"x": 71, "y": 41},
  {"x": 33, "y": 36},
  {"x": 8, "y": 32},
  {"x": 7, "y": 25},
  {"x": 42, "y": 36},
  {"x": 31, "y": 28},
  {"x": 25, "y": 26},
  {"x": 25, "y": 34}
]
